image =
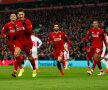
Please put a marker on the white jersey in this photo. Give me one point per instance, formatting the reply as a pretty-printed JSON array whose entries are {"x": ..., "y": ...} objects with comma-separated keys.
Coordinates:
[
  {"x": 104, "y": 48},
  {"x": 35, "y": 41},
  {"x": 66, "y": 51}
]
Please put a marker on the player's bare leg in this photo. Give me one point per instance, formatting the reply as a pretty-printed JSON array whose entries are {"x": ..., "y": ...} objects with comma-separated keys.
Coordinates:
[
  {"x": 32, "y": 61},
  {"x": 59, "y": 60},
  {"x": 19, "y": 59}
]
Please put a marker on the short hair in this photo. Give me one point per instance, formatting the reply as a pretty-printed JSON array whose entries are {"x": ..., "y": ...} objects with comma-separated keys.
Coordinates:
[
  {"x": 20, "y": 10},
  {"x": 95, "y": 21}
]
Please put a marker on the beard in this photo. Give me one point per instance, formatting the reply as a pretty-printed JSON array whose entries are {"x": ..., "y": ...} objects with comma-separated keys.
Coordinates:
[{"x": 56, "y": 30}]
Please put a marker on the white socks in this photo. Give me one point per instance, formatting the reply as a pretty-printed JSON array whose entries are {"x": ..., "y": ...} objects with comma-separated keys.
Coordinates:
[
  {"x": 25, "y": 64},
  {"x": 36, "y": 63},
  {"x": 66, "y": 64}
]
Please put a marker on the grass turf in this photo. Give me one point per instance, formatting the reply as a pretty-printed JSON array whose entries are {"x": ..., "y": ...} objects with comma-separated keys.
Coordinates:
[{"x": 75, "y": 78}]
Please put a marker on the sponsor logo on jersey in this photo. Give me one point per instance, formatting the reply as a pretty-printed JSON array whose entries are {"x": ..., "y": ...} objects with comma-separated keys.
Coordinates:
[
  {"x": 20, "y": 28},
  {"x": 12, "y": 31}
]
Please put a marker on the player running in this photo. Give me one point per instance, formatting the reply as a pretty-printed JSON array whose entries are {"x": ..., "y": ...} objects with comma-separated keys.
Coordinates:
[
  {"x": 10, "y": 29},
  {"x": 97, "y": 35},
  {"x": 23, "y": 39},
  {"x": 66, "y": 55},
  {"x": 35, "y": 41},
  {"x": 58, "y": 46}
]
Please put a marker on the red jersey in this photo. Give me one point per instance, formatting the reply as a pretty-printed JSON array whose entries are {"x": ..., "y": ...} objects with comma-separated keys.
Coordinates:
[
  {"x": 57, "y": 39},
  {"x": 97, "y": 37},
  {"x": 10, "y": 29},
  {"x": 23, "y": 33}
]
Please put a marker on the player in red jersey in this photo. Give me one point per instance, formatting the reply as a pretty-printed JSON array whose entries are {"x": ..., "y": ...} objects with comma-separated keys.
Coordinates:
[
  {"x": 97, "y": 35},
  {"x": 58, "y": 49},
  {"x": 10, "y": 29},
  {"x": 88, "y": 55},
  {"x": 23, "y": 39}
]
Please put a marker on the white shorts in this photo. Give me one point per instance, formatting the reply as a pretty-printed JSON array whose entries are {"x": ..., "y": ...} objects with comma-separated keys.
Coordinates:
[
  {"x": 66, "y": 55},
  {"x": 34, "y": 52}
]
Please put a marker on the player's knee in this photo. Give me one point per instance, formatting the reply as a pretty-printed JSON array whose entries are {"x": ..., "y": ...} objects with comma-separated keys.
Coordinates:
[
  {"x": 16, "y": 54},
  {"x": 96, "y": 57},
  {"x": 30, "y": 57},
  {"x": 59, "y": 59}
]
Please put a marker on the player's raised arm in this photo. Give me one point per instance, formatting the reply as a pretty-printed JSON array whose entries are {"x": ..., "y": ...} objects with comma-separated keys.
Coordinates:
[
  {"x": 39, "y": 41},
  {"x": 4, "y": 30},
  {"x": 49, "y": 39},
  {"x": 87, "y": 36}
]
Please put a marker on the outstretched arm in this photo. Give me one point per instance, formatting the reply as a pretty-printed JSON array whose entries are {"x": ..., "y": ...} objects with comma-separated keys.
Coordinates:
[
  {"x": 49, "y": 39},
  {"x": 3, "y": 31},
  {"x": 87, "y": 36}
]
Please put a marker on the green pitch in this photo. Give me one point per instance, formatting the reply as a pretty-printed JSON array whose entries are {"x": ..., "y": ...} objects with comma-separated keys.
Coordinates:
[{"x": 48, "y": 79}]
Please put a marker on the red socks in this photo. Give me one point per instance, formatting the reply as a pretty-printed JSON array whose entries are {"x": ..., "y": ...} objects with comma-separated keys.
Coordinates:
[
  {"x": 99, "y": 66},
  {"x": 19, "y": 59},
  {"x": 15, "y": 66},
  {"x": 97, "y": 63},
  {"x": 59, "y": 66},
  {"x": 33, "y": 64}
]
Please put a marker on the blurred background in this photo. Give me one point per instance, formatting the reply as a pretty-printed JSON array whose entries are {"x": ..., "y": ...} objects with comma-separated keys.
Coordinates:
[{"x": 73, "y": 16}]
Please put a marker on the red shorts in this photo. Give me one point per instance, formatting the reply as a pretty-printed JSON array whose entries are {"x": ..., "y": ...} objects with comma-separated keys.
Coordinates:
[
  {"x": 58, "y": 53},
  {"x": 25, "y": 46},
  {"x": 12, "y": 46}
]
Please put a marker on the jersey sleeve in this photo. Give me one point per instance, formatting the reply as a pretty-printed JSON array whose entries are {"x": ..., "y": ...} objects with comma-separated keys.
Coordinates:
[
  {"x": 4, "y": 30},
  {"x": 39, "y": 41},
  {"x": 64, "y": 35},
  {"x": 49, "y": 38},
  {"x": 28, "y": 28},
  {"x": 87, "y": 36}
]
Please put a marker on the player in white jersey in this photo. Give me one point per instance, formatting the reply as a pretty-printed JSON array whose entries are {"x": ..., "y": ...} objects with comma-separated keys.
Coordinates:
[
  {"x": 36, "y": 44},
  {"x": 66, "y": 54},
  {"x": 104, "y": 55}
]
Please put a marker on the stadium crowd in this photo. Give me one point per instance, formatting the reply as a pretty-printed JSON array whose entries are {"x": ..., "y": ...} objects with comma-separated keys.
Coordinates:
[{"x": 75, "y": 22}]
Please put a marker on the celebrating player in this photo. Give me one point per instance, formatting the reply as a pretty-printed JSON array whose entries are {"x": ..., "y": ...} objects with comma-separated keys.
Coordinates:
[
  {"x": 66, "y": 54},
  {"x": 97, "y": 35},
  {"x": 58, "y": 49},
  {"x": 10, "y": 29},
  {"x": 35, "y": 41},
  {"x": 23, "y": 39}
]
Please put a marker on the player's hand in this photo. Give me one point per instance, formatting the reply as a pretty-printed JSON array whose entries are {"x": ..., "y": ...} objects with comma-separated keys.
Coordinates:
[
  {"x": 47, "y": 42},
  {"x": 7, "y": 36},
  {"x": 24, "y": 24}
]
